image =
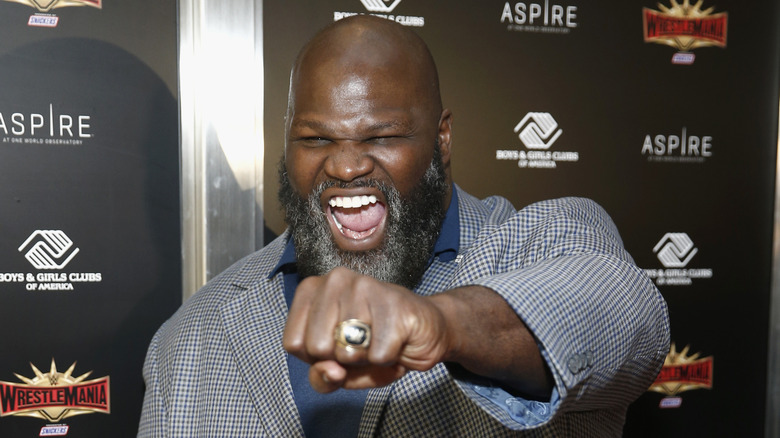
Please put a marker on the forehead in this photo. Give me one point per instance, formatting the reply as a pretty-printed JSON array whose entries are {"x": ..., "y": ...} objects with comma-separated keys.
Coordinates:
[
  {"x": 365, "y": 70},
  {"x": 371, "y": 99},
  {"x": 333, "y": 80}
]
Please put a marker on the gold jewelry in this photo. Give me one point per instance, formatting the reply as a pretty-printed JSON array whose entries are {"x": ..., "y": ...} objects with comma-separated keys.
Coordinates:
[{"x": 353, "y": 334}]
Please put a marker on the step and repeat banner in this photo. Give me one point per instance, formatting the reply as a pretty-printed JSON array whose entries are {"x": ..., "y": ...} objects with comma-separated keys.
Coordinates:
[
  {"x": 664, "y": 112},
  {"x": 90, "y": 252}
]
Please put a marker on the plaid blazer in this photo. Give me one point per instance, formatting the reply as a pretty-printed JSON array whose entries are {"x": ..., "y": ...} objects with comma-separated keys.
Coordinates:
[{"x": 217, "y": 367}]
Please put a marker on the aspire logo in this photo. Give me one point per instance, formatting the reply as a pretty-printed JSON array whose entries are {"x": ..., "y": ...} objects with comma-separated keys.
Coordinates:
[
  {"x": 672, "y": 148},
  {"x": 49, "y": 249},
  {"x": 51, "y": 126},
  {"x": 540, "y": 17}
]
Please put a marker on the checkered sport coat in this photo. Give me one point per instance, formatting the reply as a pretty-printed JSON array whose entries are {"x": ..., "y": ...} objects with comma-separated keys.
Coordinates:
[{"x": 217, "y": 367}]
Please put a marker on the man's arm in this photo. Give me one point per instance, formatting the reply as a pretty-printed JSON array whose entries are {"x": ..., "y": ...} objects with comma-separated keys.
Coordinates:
[
  {"x": 154, "y": 414},
  {"x": 561, "y": 271},
  {"x": 472, "y": 326},
  {"x": 489, "y": 340}
]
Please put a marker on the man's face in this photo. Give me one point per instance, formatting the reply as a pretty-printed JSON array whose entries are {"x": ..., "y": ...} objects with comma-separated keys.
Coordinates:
[
  {"x": 411, "y": 229},
  {"x": 359, "y": 147}
]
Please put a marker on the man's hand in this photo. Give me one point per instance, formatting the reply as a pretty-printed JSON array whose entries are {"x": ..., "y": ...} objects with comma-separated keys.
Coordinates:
[
  {"x": 408, "y": 332},
  {"x": 471, "y": 325}
]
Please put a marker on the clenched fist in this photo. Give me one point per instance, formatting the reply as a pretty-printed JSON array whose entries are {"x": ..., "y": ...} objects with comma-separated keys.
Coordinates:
[{"x": 408, "y": 332}]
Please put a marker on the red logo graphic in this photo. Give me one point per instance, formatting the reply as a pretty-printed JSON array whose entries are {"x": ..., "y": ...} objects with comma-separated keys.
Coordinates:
[
  {"x": 681, "y": 373},
  {"x": 46, "y": 6},
  {"x": 54, "y": 396},
  {"x": 685, "y": 28}
]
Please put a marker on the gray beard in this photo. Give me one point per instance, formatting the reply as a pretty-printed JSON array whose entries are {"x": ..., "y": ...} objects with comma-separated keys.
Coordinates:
[{"x": 413, "y": 225}]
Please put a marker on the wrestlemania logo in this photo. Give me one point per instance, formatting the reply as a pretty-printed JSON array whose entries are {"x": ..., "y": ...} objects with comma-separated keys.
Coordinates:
[
  {"x": 685, "y": 28},
  {"x": 682, "y": 373},
  {"x": 48, "y": 5},
  {"x": 54, "y": 396}
]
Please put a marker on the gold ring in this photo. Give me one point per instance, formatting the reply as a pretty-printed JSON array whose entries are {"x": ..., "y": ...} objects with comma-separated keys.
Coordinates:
[{"x": 353, "y": 333}]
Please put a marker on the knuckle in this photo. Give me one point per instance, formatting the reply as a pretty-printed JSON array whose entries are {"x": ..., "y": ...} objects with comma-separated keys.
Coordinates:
[
  {"x": 363, "y": 284},
  {"x": 350, "y": 356},
  {"x": 338, "y": 272},
  {"x": 382, "y": 358},
  {"x": 321, "y": 348},
  {"x": 292, "y": 344}
]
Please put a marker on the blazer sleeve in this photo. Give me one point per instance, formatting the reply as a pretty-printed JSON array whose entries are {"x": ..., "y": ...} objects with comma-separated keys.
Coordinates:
[
  {"x": 601, "y": 325},
  {"x": 154, "y": 412}
]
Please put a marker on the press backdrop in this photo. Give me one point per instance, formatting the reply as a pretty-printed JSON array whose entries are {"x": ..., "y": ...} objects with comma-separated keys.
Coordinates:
[
  {"x": 670, "y": 123},
  {"x": 90, "y": 252},
  {"x": 665, "y": 113}
]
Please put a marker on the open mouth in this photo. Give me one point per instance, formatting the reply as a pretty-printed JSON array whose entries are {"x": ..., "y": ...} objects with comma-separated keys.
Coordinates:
[{"x": 358, "y": 220}]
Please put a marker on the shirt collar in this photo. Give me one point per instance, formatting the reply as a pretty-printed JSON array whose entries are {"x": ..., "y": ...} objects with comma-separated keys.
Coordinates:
[
  {"x": 448, "y": 243},
  {"x": 446, "y": 247},
  {"x": 288, "y": 259}
]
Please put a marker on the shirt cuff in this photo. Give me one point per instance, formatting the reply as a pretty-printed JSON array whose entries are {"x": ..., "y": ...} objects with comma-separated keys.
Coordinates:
[{"x": 525, "y": 412}]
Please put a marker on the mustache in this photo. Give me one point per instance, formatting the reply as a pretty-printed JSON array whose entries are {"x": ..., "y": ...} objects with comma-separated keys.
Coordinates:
[
  {"x": 413, "y": 223},
  {"x": 372, "y": 183},
  {"x": 368, "y": 182}
]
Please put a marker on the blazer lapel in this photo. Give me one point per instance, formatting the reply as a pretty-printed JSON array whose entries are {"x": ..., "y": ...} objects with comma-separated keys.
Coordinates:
[
  {"x": 374, "y": 410},
  {"x": 254, "y": 323}
]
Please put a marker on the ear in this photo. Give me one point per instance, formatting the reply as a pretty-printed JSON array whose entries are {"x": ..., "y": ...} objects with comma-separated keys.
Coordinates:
[{"x": 445, "y": 136}]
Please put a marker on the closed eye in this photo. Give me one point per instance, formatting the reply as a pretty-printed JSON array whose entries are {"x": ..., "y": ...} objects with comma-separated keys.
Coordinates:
[
  {"x": 313, "y": 142},
  {"x": 386, "y": 140}
]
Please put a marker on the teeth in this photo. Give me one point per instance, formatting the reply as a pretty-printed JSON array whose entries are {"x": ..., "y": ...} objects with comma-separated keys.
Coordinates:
[{"x": 352, "y": 201}]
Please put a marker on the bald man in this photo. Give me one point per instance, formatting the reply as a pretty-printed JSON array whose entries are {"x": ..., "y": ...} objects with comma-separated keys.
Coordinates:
[{"x": 396, "y": 304}]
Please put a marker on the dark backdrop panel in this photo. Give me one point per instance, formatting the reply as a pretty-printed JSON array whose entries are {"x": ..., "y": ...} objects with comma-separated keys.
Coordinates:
[
  {"x": 89, "y": 190},
  {"x": 609, "y": 91}
]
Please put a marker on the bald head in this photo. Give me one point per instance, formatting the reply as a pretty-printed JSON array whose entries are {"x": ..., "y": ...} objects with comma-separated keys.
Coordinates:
[
  {"x": 364, "y": 104},
  {"x": 365, "y": 122},
  {"x": 383, "y": 54}
]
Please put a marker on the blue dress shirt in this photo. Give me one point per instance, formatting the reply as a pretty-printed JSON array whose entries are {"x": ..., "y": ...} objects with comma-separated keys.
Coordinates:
[{"x": 338, "y": 414}]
